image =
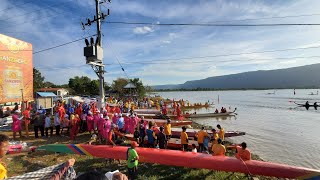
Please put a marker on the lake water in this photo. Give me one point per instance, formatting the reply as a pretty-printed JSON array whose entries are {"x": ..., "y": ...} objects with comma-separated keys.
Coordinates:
[{"x": 276, "y": 129}]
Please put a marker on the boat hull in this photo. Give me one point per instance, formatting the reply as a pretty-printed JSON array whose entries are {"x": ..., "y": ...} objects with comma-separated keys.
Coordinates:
[
  {"x": 162, "y": 122},
  {"x": 188, "y": 159}
]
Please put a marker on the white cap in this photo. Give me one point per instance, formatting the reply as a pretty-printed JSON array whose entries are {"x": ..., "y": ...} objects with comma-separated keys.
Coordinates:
[
  {"x": 66, "y": 115},
  {"x": 120, "y": 115},
  {"x": 116, "y": 114},
  {"x": 17, "y": 111},
  {"x": 107, "y": 118},
  {"x": 109, "y": 174},
  {"x": 90, "y": 112},
  {"x": 101, "y": 115}
]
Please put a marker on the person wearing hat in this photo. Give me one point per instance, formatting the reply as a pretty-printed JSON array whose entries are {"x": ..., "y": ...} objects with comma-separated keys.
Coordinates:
[
  {"x": 132, "y": 160},
  {"x": 218, "y": 149},
  {"x": 16, "y": 124},
  {"x": 167, "y": 129},
  {"x": 184, "y": 139}
]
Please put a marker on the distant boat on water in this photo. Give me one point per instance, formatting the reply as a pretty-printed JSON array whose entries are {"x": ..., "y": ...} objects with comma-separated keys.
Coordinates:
[
  {"x": 274, "y": 92},
  {"x": 314, "y": 93}
]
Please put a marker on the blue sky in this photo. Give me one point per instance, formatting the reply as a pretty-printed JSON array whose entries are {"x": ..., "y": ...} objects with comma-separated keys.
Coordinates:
[{"x": 162, "y": 54}]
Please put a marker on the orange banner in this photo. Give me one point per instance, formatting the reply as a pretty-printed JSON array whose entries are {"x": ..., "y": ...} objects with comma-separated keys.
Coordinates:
[{"x": 16, "y": 70}]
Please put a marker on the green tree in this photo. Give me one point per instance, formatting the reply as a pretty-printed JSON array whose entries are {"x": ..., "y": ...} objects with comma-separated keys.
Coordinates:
[
  {"x": 141, "y": 90},
  {"x": 84, "y": 85},
  {"x": 38, "y": 80},
  {"x": 118, "y": 84}
]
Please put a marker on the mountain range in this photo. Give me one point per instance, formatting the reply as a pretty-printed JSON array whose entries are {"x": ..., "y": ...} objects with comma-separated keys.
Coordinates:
[{"x": 297, "y": 77}]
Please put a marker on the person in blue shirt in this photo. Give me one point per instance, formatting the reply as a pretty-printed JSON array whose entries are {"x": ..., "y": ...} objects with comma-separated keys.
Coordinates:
[
  {"x": 151, "y": 137},
  {"x": 120, "y": 123}
]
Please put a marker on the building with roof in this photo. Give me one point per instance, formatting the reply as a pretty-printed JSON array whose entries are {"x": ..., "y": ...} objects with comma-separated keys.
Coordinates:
[
  {"x": 57, "y": 91},
  {"x": 45, "y": 100}
]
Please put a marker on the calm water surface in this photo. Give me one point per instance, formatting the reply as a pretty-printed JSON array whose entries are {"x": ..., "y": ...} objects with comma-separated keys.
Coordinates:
[{"x": 276, "y": 129}]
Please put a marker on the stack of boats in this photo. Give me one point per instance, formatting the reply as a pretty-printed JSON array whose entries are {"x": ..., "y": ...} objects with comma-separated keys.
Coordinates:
[{"x": 155, "y": 116}]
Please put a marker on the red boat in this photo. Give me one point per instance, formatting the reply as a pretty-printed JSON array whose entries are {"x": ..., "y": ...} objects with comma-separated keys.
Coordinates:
[
  {"x": 189, "y": 159},
  {"x": 162, "y": 122}
]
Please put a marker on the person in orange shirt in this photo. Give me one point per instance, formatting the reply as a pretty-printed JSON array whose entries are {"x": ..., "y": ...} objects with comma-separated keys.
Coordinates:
[
  {"x": 167, "y": 129},
  {"x": 218, "y": 149},
  {"x": 184, "y": 139},
  {"x": 201, "y": 135},
  {"x": 243, "y": 153},
  {"x": 214, "y": 137},
  {"x": 221, "y": 132},
  {"x": 26, "y": 114},
  {"x": 75, "y": 126}
]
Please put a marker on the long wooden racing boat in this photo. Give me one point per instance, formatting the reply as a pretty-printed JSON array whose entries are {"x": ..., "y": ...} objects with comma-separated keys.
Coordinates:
[
  {"x": 188, "y": 159},
  {"x": 192, "y": 132},
  {"x": 210, "y": 114},
  {"x": 162, "y": 122},
  {"x": 147, "y": 111}
]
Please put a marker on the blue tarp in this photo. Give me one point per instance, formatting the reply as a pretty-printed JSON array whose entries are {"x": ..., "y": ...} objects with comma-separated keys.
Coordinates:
[{"x": 46, "y": 94}]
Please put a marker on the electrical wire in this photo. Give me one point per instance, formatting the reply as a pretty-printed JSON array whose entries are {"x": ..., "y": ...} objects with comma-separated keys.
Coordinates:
[
  {"x": 114, "y": 53},
  {"x": 234, "y": 54},
  {"x": 212, "y": 24},
  {"x": 208, "y": 61},
  {"x": 70, "y": 42}
]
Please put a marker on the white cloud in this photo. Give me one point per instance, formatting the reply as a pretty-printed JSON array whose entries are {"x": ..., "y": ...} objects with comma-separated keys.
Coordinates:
[
  {"x": 166, "y": 42},
  {"x": 143, "y": 30}
]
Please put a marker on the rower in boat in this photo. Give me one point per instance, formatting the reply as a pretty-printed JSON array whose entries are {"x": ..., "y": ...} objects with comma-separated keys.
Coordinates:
[
  {"x": 216, "y": 111},
  {"x": 307, "y": 104}
]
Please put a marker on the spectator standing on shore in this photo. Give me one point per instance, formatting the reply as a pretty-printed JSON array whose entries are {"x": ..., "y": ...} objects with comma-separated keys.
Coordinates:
[
  {"x": 132, "y": 160},
  {"x": 221, "y": 132},
  {"x": 201, "y": 135},
  {"x": 47, "y": 125},
  {"x": 57, "y": 123},
  {"x": 184, "y": 139},
  {"x": 162, "y": 139},
  {"x": 167, "y": 129},
  {"x": 16, "y": 124}
]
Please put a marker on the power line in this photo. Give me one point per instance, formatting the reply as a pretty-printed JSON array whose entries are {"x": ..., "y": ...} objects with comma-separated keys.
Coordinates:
[
  {"x": 263, "y": 18},
  {"x": 114, "y": 53},
  {"x": 212, "y": 24},
  {"x": 235, "y": 54},
  {"x": 70, "y": 42},
  {"x": 234, "y": 60}
]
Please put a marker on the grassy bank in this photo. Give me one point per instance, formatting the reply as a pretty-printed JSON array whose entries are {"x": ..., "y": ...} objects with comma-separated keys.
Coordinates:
[{"x": 18, "y": 164}]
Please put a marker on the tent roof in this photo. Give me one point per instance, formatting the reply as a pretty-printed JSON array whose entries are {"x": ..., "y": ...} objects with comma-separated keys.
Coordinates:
[
  {"x": 46, "y": 94},
  {"x": 129, "y": 86}
]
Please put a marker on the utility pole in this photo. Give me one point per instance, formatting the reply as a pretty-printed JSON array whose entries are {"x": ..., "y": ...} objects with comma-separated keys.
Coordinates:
[
  {"x": 22, "y": 103},
  {"x": 94, "y": 52}
]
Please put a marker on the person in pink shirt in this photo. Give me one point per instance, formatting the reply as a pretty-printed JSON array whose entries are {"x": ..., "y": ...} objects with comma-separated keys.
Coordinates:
[
  {"x": 132, "y": 124},
  {"x": 126, "y": 123},
  {"x": 16, "y": 125},
  {"x": 100, "y": 127},
  {"x": 90, "y": 122},
  {"x": 96, "y": 118},
  {"x": 106, "y": 128},
  {"x": 115, "y": 118}
]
